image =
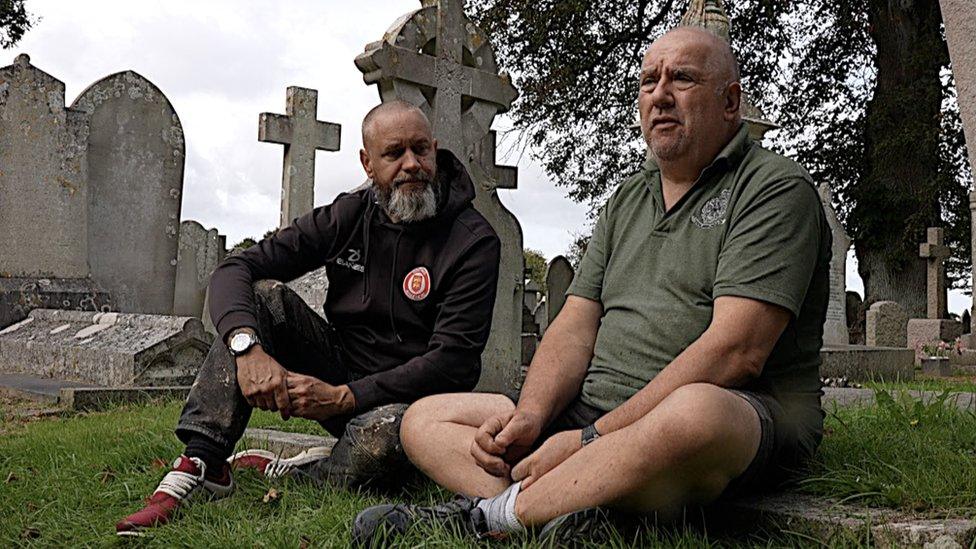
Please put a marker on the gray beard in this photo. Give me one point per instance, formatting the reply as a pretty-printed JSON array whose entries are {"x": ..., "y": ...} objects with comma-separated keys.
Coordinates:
[{"x": 408, "y": 207}]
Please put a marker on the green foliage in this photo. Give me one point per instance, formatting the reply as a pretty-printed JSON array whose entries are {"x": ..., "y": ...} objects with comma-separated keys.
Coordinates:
[
  {"x": 812, "y": 66},
  {"x": 248, "y": 241},
  {"x": 15, "y": 21},
  {"x": 535, "y": 267},
  {"x": 577, "y": 248},
  {"x": 902, "y": 453}
]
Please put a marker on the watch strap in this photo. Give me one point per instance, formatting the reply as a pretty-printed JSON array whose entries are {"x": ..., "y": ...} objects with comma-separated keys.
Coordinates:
[{"x": 590, "y": 434}]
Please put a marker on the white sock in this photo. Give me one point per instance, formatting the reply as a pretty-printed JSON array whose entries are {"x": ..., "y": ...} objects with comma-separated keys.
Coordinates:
[{"x": 500, "y": 511}]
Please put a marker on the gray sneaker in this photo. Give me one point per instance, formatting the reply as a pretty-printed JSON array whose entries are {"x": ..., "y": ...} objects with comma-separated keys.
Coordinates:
[{"x": 376, "y": 525}]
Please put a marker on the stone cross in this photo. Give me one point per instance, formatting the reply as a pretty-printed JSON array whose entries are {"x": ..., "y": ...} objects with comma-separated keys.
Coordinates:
[
  {"x": 459, "y": 93},
  {"x": 301, "y": 134},
  {"x": 501, "y": 177},
  {"x": 935, "y": 253}
]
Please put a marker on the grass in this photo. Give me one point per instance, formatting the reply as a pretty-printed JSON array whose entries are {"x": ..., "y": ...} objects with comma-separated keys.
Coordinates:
[
  {"x": 959, "y": 385},
  {"x": 65, "y": 481}
]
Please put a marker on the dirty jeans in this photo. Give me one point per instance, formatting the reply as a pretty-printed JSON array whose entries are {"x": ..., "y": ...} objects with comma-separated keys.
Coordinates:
[{"x": 368, "y": 447}]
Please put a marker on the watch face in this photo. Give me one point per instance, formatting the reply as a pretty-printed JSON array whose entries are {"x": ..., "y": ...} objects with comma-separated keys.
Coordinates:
[{"x": 240, "y": 342}]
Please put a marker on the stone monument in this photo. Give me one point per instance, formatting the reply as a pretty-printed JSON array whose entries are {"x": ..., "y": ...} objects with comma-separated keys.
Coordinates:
[
  {"x": 200, "y": 252},
  {"x": 437, "y": 59},
  {"x": 935, "y": 327},
  {"x": 91, "y": 194},
  {"x": 835, "y": 330},
  {"x": 135, "y": 158},
  {"x": 301, "y": 134},
  {"x": 559, "y": 275},
  {"x": 887, "y": 325}
]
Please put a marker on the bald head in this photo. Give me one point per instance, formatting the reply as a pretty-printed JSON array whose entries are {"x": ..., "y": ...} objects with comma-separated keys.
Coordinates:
[
  {"x": 391, "y": 108},
  {"x": 716, "y": 53}
]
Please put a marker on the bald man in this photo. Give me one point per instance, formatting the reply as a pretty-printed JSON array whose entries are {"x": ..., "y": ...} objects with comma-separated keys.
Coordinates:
[
  {"x": 684, "y": 364},
  {"x": 412, "y": 270}
]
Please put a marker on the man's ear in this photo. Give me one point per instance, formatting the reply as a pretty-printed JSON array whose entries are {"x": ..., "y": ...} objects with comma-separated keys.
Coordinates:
[
  {"x": 367, "y": 165},
  {"x": 435, "y": 144},
  {"x": 733, "y": 100}
]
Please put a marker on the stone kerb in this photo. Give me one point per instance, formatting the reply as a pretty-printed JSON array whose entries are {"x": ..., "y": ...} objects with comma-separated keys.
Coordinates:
[
  {"x": 109, "y": 349},
  {"x": 136, "y": 154},
  {"x": 200, "y": 252},
  {"x": 887, "y": 325},
  {"x": 43, "y": 180}
]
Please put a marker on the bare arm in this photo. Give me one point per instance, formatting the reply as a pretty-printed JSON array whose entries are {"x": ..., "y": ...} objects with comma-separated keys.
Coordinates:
[
  {"x": 560, "y": 364},
  {"x": 732, "y": 351}
]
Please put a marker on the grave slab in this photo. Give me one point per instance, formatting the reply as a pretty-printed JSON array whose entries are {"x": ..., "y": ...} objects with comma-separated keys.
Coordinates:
[
  {"x": 926, "y": 331},
  {"x": 90, "y": 399},
  {"x": 861, "y": 363},
  {"x": 109, "y": 349},
  {"x": 20, "y": 296},
  {"x": 38, "y": 388},
  {"x": 844, "y": 396},
  {"x": 283, "y": 443}
]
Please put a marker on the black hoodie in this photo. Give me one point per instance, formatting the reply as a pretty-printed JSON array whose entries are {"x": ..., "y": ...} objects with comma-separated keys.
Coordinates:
[{"x": 412, "y": 303}]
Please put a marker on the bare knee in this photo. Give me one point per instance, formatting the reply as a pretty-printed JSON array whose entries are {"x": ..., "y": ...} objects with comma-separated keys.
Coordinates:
[{"x": 420, "y": 417}]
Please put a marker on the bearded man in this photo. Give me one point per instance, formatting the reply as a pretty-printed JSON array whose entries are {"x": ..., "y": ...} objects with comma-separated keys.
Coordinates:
[
  {"x": 683, "y": 366},
  {"x": 412, "y": 270}
]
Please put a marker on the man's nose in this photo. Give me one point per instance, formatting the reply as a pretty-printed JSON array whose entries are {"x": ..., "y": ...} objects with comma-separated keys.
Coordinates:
[
  {"x": 661, "y": 96},
  {"x": 410, "y": 162}
]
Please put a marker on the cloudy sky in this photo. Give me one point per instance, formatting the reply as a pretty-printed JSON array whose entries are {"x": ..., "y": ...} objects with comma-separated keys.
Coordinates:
[{"x": 223, "y": 62}]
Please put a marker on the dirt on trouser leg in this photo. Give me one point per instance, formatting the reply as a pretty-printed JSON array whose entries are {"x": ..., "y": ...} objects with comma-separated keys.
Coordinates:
[{"x": 368, "y": 453}]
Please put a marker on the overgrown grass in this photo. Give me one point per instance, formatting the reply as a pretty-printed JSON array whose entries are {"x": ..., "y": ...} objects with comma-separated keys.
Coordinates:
[
  {"x": 958, "y": 385},
  {"x": 901, "y": 453},
  {"x": 66, "y": 481}
]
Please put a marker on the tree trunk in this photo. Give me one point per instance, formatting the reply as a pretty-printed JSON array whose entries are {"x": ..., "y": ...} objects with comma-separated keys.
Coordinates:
[{"x": 898, "y": 196}]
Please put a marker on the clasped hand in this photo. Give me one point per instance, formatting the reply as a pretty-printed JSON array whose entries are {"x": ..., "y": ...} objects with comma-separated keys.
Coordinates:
[
  {"x": 502, "y": 442},
  {"x": 267, "y": 385}
]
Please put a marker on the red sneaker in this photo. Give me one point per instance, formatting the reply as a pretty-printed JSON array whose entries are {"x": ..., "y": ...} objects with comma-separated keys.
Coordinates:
[
  {"x": 272, "y": 465},
  {"x": 188, "y": 479}
]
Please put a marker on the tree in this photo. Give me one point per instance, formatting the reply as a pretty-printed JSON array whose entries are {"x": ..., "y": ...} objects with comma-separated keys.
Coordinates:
[
  {"x": 535, "y": 266},
  {"x": 861, "y": 90},
  {"x": 15, "y": 21}
]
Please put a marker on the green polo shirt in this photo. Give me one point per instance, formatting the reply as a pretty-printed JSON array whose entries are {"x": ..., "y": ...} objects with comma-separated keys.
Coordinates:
[{"x": 752, "y": 226}]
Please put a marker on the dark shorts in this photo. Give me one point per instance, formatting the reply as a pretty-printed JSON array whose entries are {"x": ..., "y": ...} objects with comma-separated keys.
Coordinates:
[{"x": 791, "y": 432}]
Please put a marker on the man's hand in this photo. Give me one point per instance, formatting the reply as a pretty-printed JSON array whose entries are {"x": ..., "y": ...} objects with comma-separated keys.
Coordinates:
[
  {"x": 553, "y": 452},
  {"x": 262, "y": 381},
  {"x": 504, "y": 439},
  {"x": 312, "y": 398}
]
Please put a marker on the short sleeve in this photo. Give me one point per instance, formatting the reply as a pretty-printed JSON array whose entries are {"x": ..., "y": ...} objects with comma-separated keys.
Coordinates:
[
  {"x": 588, "y": 281},
  {"x": 772, "y": 246}
]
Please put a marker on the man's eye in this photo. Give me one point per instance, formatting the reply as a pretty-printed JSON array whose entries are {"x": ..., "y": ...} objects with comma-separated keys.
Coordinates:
[
  {"x": 395, "y": 153},
  {"x": 649, "y": 81}
]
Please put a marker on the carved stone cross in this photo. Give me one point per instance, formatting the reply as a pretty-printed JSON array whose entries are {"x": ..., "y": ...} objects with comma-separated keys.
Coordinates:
[
  {"x": 501, "y": 177},
  {"x": 302, "y": 135},
  {"x": 461, "y": 94},
  {"x": 935, "y": 253}
]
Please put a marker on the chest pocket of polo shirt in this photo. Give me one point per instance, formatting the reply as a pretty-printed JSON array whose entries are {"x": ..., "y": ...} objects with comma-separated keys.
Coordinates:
[{"x": 692, "y": 255}]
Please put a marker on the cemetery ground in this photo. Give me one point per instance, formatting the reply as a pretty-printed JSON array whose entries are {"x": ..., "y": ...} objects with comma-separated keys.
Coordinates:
[{"x": 65, "y": 478}]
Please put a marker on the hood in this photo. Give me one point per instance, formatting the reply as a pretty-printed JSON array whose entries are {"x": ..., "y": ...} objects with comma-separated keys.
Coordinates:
[{"x": 457, "y": 189}]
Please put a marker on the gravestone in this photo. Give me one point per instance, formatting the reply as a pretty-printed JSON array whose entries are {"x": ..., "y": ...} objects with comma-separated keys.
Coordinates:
[
  {"x": 887, "y": 325},
  {"x": 438, "y": 60},
  {"x": 855, "y": 316},
  {"x": 835, "y": 330},
  {"x": 43, "y": 181},
  {"x": 20, "y": 296},
  {"x": 301, "y": 134},
  {"x": 559, "y": 275},
  {"x": 312, "y": 288},
  {"x": 109, "y": 349},
  {"x": 136, "y": 154},
  {"x": 935, "y": 327},
  {"x": 200, "y": 252}
]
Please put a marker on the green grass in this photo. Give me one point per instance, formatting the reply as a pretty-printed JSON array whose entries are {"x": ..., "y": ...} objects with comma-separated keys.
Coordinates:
[
  {"x": 902, "y": 453},
  {"x": 71, "y": 478},
  {"x": 962, "y": 385}
]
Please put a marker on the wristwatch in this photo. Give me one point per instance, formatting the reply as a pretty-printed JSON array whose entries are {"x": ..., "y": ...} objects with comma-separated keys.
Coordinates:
[
  {"x": 241, "y": 342},
  {"x": 590, "y": 434}
]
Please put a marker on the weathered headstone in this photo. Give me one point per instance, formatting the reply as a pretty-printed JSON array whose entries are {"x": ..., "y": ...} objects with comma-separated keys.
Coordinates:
[
  {"x": 312, "y": 288},
  {"x": 935, "y": 327},
  {"x": 887, "y": 325},
  {"x": 559, "y": 275},
  {"x": 835, "y": 326},
  {"x": 136, "y": 154},
  {"x": 20, "y": 296},
  {"x": 199, "y": 254},
  {"x": 437, "y": 59},
  {"x": 301, "y": 134},
  {"x": 43, "y": 184},
  {"x": 855, "y": 316},
  {"x": 110, "y": 349}
]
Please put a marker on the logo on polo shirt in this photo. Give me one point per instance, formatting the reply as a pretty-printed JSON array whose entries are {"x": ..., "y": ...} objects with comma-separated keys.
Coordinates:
[
  {"x": 713, "y": 212},
  {"x": 416, "y": 286}
]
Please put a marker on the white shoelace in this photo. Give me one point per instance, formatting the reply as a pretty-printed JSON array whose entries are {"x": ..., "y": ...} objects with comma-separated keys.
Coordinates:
[
  {"x": 277, "y": 468},
  {"x": 180, "y": 484}
]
